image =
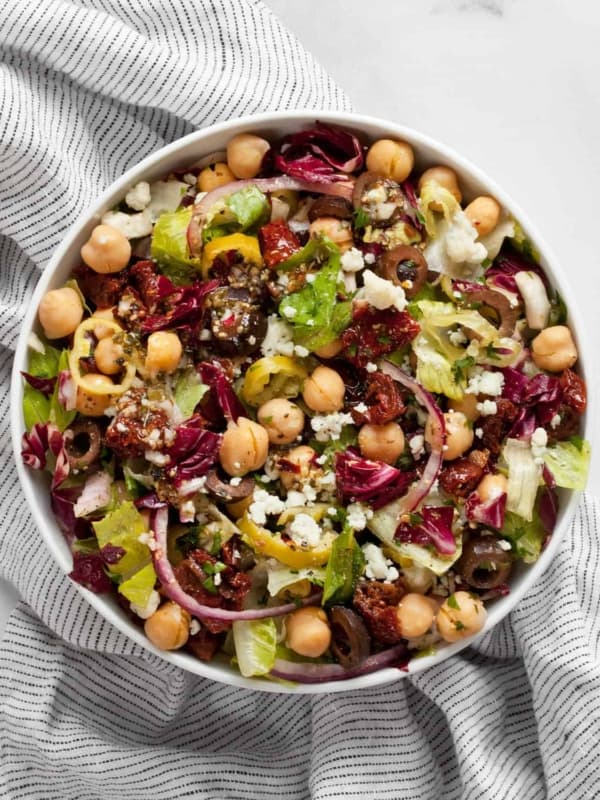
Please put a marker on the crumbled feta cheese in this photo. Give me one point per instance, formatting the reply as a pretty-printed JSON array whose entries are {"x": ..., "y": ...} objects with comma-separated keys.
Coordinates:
[
  {"x": 381, "y": 293},
  {"x": 295, "y": 499},
  {"x": 485, "y": 382},
  {"x": 138, "y": 196},
  {"x": 252, "y": 340},
  {"x": 304, "y": 531},
  {"x": 311, "y": 277},
  {"x": 191, "y": 486},
  {"x": 151, "y": 606},
  {"x": 235, "y": 481},
  {"x": 205, "y": 335},
  {"x": 417, "y": 445},
  {"x": 460, "y": 242},
  {"x": 133, "y": 226},
  {"x": 159, "y": 459},
  {"x": 190, "y": 178},
  {"x": 195, "y": 627},
  {"x": 539, "y": 440},
  {"x": 278, "y": 339},
  {"x": 145, "y": 538},
  {"x": 262, "y": 504},
  {"x": 329, "y": 426},
  {"x": 457, "y": 337},
  {"x": 217, "y": 579},
  {"x": 289, "y": 312},
  {"x": 369, "y": 258},
  {"x": 352, "y": 260},
  {"x": 361, "y": 408},
  {"x": 332, "y": 511},
  {"x": 309, "y": 492},
  {"x": 165, "y": 197},
  {"x": 479, "y": 432},
  {"x": 300, "y": 351},
  {"x": 358, "y": 516},
  {"x": 378, "y": 567},
  {"x": 503, "y": 544},
  {"x": 554, "y": 422},
  {"x": 187, "y": 511},
  {"x": 487, "y": 408},
  {"x": 321, "y": 460},
  {"x": 371, "y": 367}
]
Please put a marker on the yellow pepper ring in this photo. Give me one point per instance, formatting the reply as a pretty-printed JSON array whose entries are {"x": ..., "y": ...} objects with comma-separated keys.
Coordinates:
[
  {"x": 82, "y": 348},
  {"x": 247, "y": 246},
  {"x": 286, "y": 551},
  {"x": 255, "y": 389}
]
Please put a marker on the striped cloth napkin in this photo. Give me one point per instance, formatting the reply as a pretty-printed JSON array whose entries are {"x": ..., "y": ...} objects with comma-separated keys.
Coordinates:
[{"x": 89, "y": 87}]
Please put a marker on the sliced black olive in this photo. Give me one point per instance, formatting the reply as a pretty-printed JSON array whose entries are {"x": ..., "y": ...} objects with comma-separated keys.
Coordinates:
[
  {"x": 224, "y": 491},
  {"x": 326, "y": 206},
  {"x": 496, "y": 307},
  {"x": 350, "y": 640},
  {"x": 484, "y": 564},
  {"x": 238, "y": 324},
  {"x": 83, "y": 444},
  {"x": 401, "y": 264}
]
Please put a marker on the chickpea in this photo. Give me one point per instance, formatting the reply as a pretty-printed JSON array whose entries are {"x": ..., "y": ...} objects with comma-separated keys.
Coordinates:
[
  {"x": 60, "y": 312},
  {"x": 90, "y": 404},
  {"x": 213, "y": 176},
  {"x": 244, "y": 448},
  {"x": 467, "y": 405},
  {"x": 445, "y": 177},
  {"x": 245, "y": 153},
  {"x": 108, "y": 356},
  {"x": 554, "y": 349},
  {"x": 459, "y": 434},
  {"x": 302, "y": 457},
  {"x": 392, "y": 159},
  {"x": 323, "y": 390},
  {"x": 102, "y": 331},
  {"x": 484, "y": 214},
  {"x": 169, "y": 627},
  {"x": 163, "y": 352},
  {"x": 461, "y": 615},
  {"x": 330, "y": 350},
  {"x": 107, "y": 250},
  {"x": 491, "y": 487},
  {"x": 338, "y": 230},
  {"x": 308, "y": 632},
  {"x": 282, "y": 420},
  {"x": 381, "y": 442},
  {"x": 415, "y": 614}
]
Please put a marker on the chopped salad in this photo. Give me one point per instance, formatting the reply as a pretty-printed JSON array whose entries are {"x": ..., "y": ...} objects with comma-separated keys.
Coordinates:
[{"x": 304, "y": 407}]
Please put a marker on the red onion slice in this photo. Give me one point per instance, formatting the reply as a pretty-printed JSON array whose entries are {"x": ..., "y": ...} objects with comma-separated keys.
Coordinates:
[
  {"x": 302, "y": 672},
  {"x": 174, "y": 591},
  {"x": 421, "y": 489},
  {"x": 194, "y": 234}
]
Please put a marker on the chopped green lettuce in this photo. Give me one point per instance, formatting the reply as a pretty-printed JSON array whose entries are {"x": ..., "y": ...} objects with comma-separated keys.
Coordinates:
[
  {"x": 280, "y": 577},
  {"x": 189, "y": 390},
  {"x": 255, "y": 644},
  {"x": 569, "y": 463},
  {"x": 36, "y": 406},
  {"x": 241, "y": 211},
  {"x": 316, "y": 317},
  {"x": 525, "y": 536},
  {"x": 139, "y": 587},
  {"x": 524, "y": 476},
  {"x": 169, "y": 247},
  {"x": 344, "y": 568},
  {"x": 44, "y": 365}
]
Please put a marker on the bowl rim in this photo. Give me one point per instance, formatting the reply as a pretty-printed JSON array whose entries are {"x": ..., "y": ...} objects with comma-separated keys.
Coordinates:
[{"x": 49, "y": 528}]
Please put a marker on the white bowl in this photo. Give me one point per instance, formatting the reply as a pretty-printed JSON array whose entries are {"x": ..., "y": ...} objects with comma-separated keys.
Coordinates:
[{"x": 181, "y": 154}]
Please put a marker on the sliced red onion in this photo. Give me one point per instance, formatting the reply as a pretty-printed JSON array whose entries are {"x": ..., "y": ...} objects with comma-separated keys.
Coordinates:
[
  {"x": 67, "y": 390},
  {"x": 194, "y": 234},
  {"x": 421, "y": 489},
  {"x": 95, "y": 494},
  {"x": 303, "y": 672},
  {"x": 175, "y": 592}
]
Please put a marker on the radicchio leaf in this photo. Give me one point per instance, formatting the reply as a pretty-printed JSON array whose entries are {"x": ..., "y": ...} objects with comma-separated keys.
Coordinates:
[
  {"x": 185, "y": 308},
  {"x": 490, "y": 513},
  {"x": 43, "y": 385},
  {"x": 365, "y": 480},
  {"x": 88, "y": 570},
  {"x": 220, "y": 400},
  {"x": 319, "y": 153},
  {"x": 40, "y": 440},
  {"x": 548, "y": 508},
  {"x": 194, "y": 450},
  {"x": 67, "y": 390},
  {"x": 434, "y": 527},
  {"x": 506, "y": 265}
]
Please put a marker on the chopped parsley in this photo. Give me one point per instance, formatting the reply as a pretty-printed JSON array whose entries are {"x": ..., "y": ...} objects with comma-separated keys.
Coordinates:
[{"x": 453, "y": 602}]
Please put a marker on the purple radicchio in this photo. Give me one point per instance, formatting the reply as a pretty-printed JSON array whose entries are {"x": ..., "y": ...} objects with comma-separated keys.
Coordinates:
[
  {"x": 548, "y": 508},
  {"x": 369, "y": 481},
  {"x": 507, "y": 263},
  {"x": 88, "y": 570},
  {"x": 319, "y": 154},
  {"x": 538, "y": 399},
  {"x": 194, "y": 450},
  {"x": 45, "y": 438},
  {"x": 185, "y": 306},
  {"x": 67, "y": 390},
  {"x": 43, "y": 385},
  {"x": 432, "y": 526},
  {"x": 220, "y": 402},
  {"x": 490, "y": 513}
]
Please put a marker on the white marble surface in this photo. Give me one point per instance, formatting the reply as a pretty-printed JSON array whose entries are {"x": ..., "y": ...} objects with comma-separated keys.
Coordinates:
[{"x": 511, "y": 84}]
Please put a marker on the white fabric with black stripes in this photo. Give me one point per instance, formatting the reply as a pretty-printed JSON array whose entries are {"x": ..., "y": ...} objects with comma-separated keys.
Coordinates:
[{"x": 87, "y": 89}]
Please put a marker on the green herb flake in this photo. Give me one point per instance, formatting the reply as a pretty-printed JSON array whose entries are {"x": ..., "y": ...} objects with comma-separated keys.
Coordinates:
[
  {"x": 453, "y": 602},
  {"x": 459, "y": 625},
  {"x": 460, "y": 366}
]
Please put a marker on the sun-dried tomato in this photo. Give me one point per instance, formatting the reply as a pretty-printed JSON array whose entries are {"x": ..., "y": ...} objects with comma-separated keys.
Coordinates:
[
  {"x": 376, "y": 602},
  {"x": 229, "y": 592},
  {"x": 145, "y": 279},
  {"x": 496, "y": 426},
  {"x": 102, "y": 290},
  {"x": 277, "y": 242},
  {"x": 460, "y": 477},
  {"x": 574, "y": 390},
  {"x": 205, "y": 644},
  {"x": 374, "y": 333},
  {"x": 383, "y": 399},
  {"x": 132, "y": 430},
  {"x": 568, "y": 425}
]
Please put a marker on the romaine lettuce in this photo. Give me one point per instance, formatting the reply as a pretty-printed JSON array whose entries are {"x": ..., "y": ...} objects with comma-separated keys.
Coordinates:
[
  {"x": 255, "y": 645},
  {"x": 569, "y": 462},
  {"x": 344, "y": 568},
  {"x": 524, "y": 476},
  {"x": 169, "y": 247}
]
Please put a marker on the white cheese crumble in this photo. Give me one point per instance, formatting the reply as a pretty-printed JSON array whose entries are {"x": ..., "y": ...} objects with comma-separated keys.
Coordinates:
[
  {"x": 369, "y": 258},
  {"x": 361, "y": 408},
  {"x": 279, "y": 338},
  {"x": 311, "y": 277},
  {"x": 487, "y": 408},
  {"x": 217, "y": 579},
  {"x": 381, "y": 293},
  {"x": 539, "y": 440},
  {"x": 352, "y": 260},
  {"x": 457, "y": 337},
  {"x": 295, "y": 499},
  {"x": 304, "y": 531},
  {"x": 503, "y": 544},
  {"x": 485, "y": 382},
  {"x": 417, "y": 445},
  {"x": 555, "y": 421},
  {"x": 151, "y": 606},
  {"x": 195, "y": 627},
  {"x": 378, "y": 567},
  {"x": 289, "y": 312},
  {"x": 479, "y": 432},
  {"x": 133, "y": 226},
  {"x": 300, "y": 351},
  {"x": 329, "y": 426},
  {"x": 158, "y": 459},
  {"x": 371, "y": 367},
  {"x": 358, "y": 515},
  {"x": 235, "y": 481},
  {"x": 138, "y": 197},
  {"x": 262, "y": 504}
]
